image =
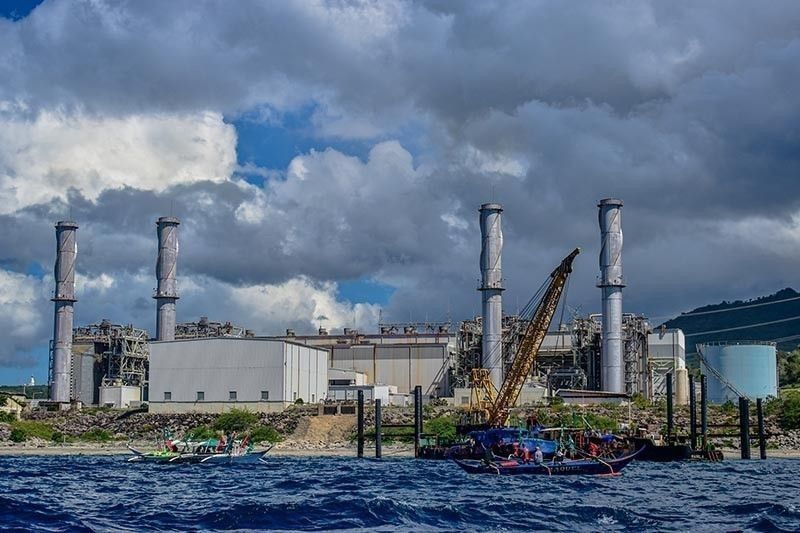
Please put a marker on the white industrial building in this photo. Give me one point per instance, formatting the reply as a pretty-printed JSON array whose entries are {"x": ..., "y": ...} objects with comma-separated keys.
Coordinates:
[
  {"x": 403, "y": 356},
  {"x": 213, "y": 375}
]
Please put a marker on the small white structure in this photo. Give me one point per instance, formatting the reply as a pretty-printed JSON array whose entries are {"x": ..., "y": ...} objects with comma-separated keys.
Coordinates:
[
  {"x": 120, "y": 396},
  {"x": 345, "y": 376},
  {"x": 343, "y": 393},
  {"x": 213, "y": 375}
]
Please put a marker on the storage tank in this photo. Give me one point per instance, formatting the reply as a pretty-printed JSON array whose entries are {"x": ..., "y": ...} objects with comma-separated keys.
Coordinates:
[{"x": 749, "y": 366}]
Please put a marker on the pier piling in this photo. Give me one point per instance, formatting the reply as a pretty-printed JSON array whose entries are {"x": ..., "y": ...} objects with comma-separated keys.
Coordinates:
[
  {"x": 692, "y": 414},
  {"x": 417, "y": 418},
  {"x": 704, "y": 410},
  {"x": 360, "y": 416},
  {"x": 378, "y": 442},
  {"x": 669, "y": 408},
  {"x": 744, "y": 426},
  {"x": 762, "y": 439}
]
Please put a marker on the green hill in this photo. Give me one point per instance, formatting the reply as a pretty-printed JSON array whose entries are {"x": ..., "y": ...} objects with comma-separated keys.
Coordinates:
[{"x": 770, "y": 318}]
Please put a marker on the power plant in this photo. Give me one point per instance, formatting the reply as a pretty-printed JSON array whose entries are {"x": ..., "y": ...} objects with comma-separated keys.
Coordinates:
[{"x": 190, "y": 366}]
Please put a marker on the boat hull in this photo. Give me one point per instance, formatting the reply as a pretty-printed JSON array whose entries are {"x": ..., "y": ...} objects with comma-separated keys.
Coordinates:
[
  {"x": 253, "y": 457},
  {"x": 590, "y": 467}
]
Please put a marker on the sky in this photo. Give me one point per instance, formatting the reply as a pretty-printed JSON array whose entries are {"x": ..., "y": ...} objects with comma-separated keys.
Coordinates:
[{"x": 327, "y": 159}]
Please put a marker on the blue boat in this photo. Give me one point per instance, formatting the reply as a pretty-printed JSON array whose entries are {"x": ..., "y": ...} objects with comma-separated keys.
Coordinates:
[{"x": 591, "y": 466}]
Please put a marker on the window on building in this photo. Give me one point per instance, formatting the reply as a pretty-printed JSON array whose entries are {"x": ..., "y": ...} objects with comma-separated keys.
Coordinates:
[
  {"x": 295, "y": 396},
  {"x": 264, "y": 395},
  {"x": 464, "y": 400},
  {"x": 232, "y": 395},
  {"x": 313, "y": 400},
  {"x": 167, "y": 396},
  {"x": 201, "y": 396}
]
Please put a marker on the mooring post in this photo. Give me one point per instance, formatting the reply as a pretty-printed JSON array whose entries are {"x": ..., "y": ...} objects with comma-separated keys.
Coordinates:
[
  {"x": 692, "y": 415},
  {"x": 704, "y": 410},
  {"x": 378, "y": 428},
  {"x": 744, "y": 423},
  {"x": 669, "y": 408},
  {"x": 417, "y": 418},
  {"x": 762, "y": 438},
  {"x": 360, "y": 416}
]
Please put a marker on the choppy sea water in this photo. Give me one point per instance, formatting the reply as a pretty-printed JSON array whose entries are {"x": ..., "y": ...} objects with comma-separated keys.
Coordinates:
[{"x": 106, "y": 493}]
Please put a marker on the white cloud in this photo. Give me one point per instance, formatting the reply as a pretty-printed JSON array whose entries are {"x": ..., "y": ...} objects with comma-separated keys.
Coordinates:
[
  {"x": 43, "y": 157},
  {"x": 23, "y": 300},
  {"x": 301, "y": 301}
]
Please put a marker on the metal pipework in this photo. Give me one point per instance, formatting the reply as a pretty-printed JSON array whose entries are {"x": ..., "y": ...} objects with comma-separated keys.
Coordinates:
[
  {"x": 166, "y": 266},
  {"x": 64, "y": 298},
  {"x": 491, "y": 291},
  {"x": 611, "y": 282}
]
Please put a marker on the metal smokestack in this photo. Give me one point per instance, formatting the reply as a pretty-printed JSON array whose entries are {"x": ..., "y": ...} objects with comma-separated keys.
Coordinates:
[
  {"x": 167, "y": 291},
  {"x": 491, "y": 291},
  {"x": 64, "y": 298},
  {"x": 611, "y": 282}
]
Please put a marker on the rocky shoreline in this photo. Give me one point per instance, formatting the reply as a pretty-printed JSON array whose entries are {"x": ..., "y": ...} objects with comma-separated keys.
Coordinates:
[{"x": 301, "y": 430}]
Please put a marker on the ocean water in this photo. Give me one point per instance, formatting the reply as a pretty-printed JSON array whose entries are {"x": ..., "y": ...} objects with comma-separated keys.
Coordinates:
[{"x": 106, "y": 493}]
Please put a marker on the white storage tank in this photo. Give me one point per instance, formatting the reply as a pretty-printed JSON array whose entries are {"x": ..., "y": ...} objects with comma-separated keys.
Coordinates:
[{"x": 751, "y": 367}]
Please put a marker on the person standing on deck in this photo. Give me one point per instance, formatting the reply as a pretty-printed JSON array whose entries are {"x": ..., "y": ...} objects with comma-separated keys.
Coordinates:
[{"x": 537, "y": 456}]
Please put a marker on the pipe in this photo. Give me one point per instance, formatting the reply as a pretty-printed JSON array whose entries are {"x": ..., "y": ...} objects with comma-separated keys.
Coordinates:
[
  {"x": 64, "y": 298},
  {"x": 611, "y": 282},
  {"x": 492, "y": 290},
  {"x": 681, "y": 386},
  {"x": 166, "y": 266}
]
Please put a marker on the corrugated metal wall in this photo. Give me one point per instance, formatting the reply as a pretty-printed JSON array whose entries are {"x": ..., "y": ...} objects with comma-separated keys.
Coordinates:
[
  {"x": 218, "y": 366},
  {"x": 402, "y": 365}
]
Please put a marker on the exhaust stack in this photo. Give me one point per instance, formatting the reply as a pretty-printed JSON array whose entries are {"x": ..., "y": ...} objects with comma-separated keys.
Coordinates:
[
  {"x": 64, "y": 298},
  {"x": 166, "y": 266},
  {"x": 491, "y": 291},
  {"x": 611, "y": 282}
]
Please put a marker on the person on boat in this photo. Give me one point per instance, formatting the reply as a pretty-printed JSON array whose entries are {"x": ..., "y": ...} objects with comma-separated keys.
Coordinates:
[
  {"x": 594, "y": 449},
  {"x": 537, "y": 456},
  {"x": 559, "y": 456},
  {"x": 526, "y": 454}
]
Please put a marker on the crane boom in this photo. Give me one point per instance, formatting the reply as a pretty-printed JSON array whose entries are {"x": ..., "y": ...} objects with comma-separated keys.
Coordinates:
[{"x": 531, "y": 342}]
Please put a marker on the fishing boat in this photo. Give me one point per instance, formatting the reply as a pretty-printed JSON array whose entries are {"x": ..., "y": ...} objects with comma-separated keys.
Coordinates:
[
  {"x": 210, "y": 451},
  {"x": 589, "y": 466}
]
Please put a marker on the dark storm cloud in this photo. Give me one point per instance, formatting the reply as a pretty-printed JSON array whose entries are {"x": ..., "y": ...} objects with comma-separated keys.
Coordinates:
[{"x": 687, "y": 111}]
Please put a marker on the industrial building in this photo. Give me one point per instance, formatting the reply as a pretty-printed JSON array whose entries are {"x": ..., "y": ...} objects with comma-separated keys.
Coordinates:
[
  {"x": 402, "y": 355},
  {"x": 215, "y": 374}
]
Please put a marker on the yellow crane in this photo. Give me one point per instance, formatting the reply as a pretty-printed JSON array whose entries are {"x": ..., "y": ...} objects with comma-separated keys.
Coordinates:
[{"x": 497, "y": 408}]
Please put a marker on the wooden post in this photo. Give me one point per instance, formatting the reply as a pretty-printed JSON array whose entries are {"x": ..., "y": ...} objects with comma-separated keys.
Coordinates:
[
  {"x": 704, "y": 410},
  {"x": 360, "y": 416},
  {"x": 417, "y": 418},
  {"x": 762, "y": 438},
  {"x": 744, "y": 426},
  {"x": 669, "y": 408},
  {"x": 378, "y": 428},
  {"x": 692, "y": 415}
]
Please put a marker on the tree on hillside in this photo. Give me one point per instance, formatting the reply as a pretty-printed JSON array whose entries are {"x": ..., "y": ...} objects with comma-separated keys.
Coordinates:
[{"x": 789, "y": 368}]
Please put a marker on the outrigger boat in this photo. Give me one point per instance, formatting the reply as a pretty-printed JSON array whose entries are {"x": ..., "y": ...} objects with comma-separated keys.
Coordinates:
[
  {"x": 209, "y": 451},
  {"x": 589, "y": 466}
]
